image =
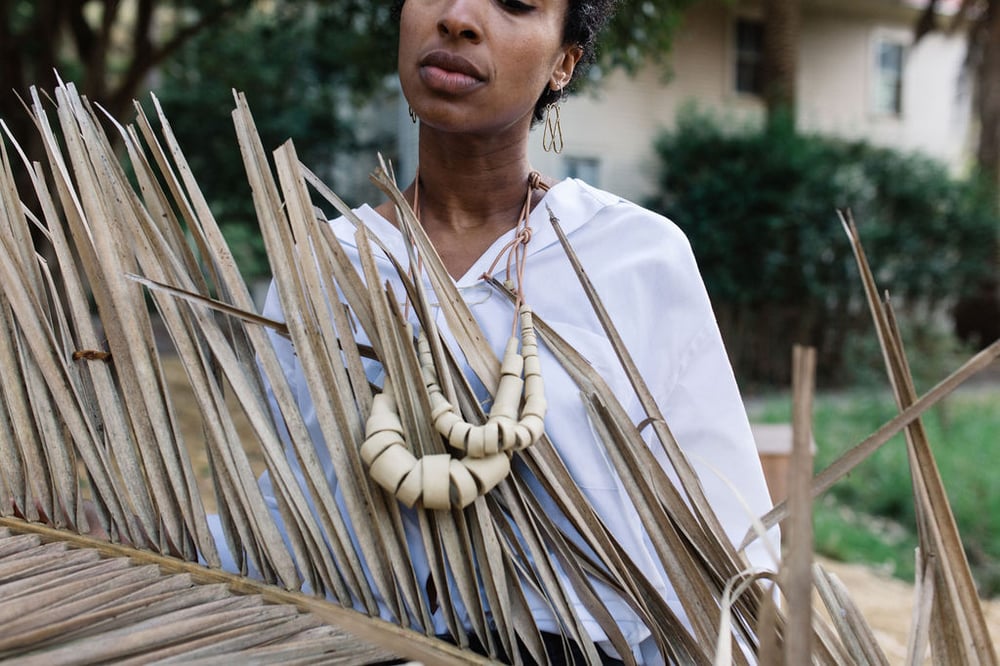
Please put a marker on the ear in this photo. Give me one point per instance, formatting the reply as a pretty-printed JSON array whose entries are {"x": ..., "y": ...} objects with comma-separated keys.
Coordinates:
[{"x": 565, "y": 65}]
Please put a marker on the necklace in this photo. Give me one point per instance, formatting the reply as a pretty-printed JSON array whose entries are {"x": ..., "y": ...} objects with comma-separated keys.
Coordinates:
[{"x": 441, "y": 481}]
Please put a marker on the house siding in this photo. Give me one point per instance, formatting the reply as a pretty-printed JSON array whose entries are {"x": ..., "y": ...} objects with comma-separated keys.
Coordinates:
[{"x": 619, "y": 121}]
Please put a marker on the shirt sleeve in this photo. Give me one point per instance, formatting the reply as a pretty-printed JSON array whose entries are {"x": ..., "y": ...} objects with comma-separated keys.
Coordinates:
[
  {"x": 700, "y": 399},
  {"x": 707, "y": 418}
]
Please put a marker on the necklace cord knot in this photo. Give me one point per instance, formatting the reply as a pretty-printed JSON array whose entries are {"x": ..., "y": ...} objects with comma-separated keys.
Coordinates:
[{"x": 516, "y": 249}]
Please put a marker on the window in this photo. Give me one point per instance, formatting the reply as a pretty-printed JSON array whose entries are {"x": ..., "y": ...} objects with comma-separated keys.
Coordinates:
[
  {"x": 887, "y": 96},
  {"x": 749, "y": 78},
  {"x": 587, "y": 169}
]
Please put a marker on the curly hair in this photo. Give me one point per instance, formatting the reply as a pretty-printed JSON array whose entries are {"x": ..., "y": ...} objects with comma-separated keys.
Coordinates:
[{"x": 585, "y": 19}]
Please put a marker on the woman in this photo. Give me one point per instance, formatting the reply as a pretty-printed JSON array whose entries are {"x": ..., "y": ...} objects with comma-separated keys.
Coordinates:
[{"x": 478, "y": 74}]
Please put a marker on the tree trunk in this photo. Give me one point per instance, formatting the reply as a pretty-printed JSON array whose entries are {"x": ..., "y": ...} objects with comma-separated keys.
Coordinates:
[
  {"x": 988, "y": 97},
  {"x": 977, "y": 313},
  {"x": 977, "y": 310},
  {"x": 782, "y": 20}
]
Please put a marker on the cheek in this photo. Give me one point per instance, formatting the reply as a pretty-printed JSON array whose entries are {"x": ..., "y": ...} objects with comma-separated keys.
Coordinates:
[
  {"x": 414, "y": 21},
  {"x": 407, "y": 47},
  {"x": 541, "y": 55}
]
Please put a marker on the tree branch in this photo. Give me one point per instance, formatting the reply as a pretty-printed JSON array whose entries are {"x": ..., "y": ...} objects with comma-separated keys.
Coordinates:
[
  {"x": 83, "y": 34},
  {"x": 146, "y": 56},
  {"x": 927, "y": 22}
]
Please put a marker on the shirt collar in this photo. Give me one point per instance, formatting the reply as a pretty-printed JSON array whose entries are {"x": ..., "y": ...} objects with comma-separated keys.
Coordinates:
[{"x": 573, "y": 203}]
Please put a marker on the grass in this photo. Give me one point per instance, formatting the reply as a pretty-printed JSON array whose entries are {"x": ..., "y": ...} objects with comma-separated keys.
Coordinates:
[{"x": 868, "y": 516}]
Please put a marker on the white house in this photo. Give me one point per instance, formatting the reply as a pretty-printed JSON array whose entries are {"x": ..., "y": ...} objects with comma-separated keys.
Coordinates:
[{"x": 860, "y": 76}]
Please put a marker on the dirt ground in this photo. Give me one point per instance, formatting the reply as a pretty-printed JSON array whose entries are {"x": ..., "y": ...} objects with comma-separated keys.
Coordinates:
[
  {"x": 886, "y": 602},
  {"x": 887, "y": 605}
]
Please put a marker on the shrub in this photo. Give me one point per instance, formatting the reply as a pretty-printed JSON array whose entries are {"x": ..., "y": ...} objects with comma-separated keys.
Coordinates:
[{"x": 760, "y": 208}]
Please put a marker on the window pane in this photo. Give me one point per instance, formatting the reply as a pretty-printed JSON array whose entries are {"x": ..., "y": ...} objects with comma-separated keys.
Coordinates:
[
  {"x": 888, "y": 85},
  {"x": 749, "y": 56},
  {"x": 586, "y": 169}
]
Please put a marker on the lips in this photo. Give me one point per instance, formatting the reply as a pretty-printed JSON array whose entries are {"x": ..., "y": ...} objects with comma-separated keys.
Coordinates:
[{"x": 449, "y": 73}]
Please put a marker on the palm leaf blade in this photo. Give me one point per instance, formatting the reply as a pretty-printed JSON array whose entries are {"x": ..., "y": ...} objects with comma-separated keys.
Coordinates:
[{"x": 85, "y": 426}]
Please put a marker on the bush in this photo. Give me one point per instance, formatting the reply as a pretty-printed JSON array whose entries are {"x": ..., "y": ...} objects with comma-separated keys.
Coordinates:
[{"x": 760, "y": 208}]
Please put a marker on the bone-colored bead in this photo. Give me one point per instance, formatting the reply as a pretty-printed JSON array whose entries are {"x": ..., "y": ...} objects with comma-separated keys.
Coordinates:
[
  {"x": 491, "y": 442},
  {"x": 463, "y": 485},
  {"x": 534, "y": 405},
  {"x": 439, "y": 406},
  {"x": 475, "y": 441},
  {"x": 508, "y": 434},
  {"x": 391, "y": 467},
  {"x": 445, "y": 422},
  {"x": 491, "y": 439},
  {"x": 512, "y": 363},
  {"x": 437, "y": 482},
  {"x": 376, "y": 444},
  {"x": 410, "y": 489},
  {"x": 508, "y": 397},
  {"x": 423, "y": 345},
  {"x": 488, "y": 471},
  {"x": 534, "y": 424},
  {"x": 458, "y": 434},
  {"x": 382, "y": 421},
  {"x": 384, "y": 403},
  {"x": 533, "y": 385},
  {"x": 523, "y": 437},
  {"x": 429, "y": 377},
  {"x": 532, "y": 366}
]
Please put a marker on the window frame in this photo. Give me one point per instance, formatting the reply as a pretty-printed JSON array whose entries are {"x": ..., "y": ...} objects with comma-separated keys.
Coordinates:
[
  {"x": 591, "y": 164},
  {"x": 879, "y": 77},
  {"x": 738, "y": 56}
]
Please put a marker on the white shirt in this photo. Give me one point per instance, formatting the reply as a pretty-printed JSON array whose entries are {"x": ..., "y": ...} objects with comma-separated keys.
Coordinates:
[{"x": 644, "y": 272}]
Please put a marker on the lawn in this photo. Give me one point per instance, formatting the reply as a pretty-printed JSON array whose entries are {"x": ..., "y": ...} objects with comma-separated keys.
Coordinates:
[{"x": 868, "y": 516}]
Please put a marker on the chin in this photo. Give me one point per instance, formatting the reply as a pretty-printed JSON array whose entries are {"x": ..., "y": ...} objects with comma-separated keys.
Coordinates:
[{"x": 474, "y": 123}]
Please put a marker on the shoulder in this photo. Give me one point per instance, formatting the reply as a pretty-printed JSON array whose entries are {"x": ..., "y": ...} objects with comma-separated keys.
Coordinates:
[
  {"x": 609, "y": 213},
  {"x": 622, "y": 231}
]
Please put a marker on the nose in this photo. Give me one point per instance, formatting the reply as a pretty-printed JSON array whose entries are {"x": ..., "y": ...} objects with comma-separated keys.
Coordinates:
[{"x": 461, "y": 20}]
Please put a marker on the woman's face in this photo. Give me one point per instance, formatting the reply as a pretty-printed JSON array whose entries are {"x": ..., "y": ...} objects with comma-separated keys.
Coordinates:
[{"x": 479, "y": 66}]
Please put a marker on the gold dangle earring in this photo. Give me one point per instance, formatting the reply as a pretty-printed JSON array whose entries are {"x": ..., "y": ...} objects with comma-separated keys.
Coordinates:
[{"x": 552, "y": 136}]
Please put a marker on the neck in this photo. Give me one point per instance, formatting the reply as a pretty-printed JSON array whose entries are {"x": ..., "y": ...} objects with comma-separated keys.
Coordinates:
[
  {"x": 471, "y": 192},
  {"x": 467, "y": 183}
]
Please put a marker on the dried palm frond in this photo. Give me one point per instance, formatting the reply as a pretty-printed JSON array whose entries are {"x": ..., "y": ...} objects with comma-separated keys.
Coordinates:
[{"x": 86, "y": 417}]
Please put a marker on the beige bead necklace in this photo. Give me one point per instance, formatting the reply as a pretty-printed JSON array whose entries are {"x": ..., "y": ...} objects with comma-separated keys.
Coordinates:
[{"x": 441, "y": 481}]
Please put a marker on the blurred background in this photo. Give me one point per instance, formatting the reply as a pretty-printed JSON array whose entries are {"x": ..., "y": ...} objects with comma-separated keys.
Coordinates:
[{"x": 750, "y": 124}]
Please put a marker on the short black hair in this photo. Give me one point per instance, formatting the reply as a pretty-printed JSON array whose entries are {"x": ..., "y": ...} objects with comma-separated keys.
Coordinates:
[{"x": 585, "y": 19}]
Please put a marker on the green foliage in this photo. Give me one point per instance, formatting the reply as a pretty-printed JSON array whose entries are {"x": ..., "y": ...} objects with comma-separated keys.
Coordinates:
[
  {"x": 304, "y": 66},
  {"x": 301, "y": 63},
  {"x": 107, "y": 48},
  {"x": 641, "y": 31},
  {"x": 869, "y": 515},
  {"x": 843, "y": 534},
  {"x": 939, "y": 351},
  {"x": 760, "y": 208}
]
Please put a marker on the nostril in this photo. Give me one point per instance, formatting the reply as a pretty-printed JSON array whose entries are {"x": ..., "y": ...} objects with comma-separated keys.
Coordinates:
[{"x": 458, "y": 27}]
